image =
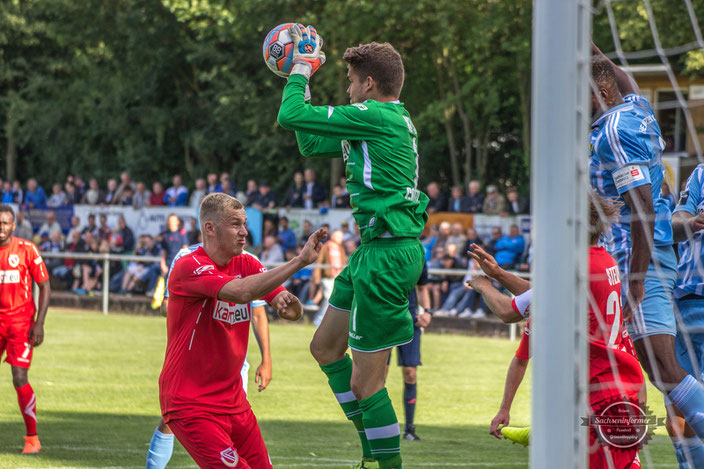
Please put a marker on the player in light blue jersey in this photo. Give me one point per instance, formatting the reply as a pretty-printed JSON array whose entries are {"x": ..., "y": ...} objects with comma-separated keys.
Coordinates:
[
  {"x": 161, "y": 446},
  {"x": 626, "y": 163}
]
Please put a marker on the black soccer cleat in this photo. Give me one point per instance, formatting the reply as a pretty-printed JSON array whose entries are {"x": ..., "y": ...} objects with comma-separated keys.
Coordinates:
[{"x": 410, "y": 433}]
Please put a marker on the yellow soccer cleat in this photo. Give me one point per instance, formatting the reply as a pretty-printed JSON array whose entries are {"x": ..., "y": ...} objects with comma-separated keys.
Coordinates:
[
  {"x": 31, "y": 445},
  {"x": 517, "y": 435},
  {"x": 366, "y": 463}
]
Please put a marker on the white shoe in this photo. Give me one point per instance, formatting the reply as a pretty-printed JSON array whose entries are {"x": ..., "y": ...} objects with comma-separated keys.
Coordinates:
[
  {"x": 453, "y": 312},
  {"x": 440, "y": 312},
  {"x": 467, "y": 313},
  {"x": 479, "y": 314}
]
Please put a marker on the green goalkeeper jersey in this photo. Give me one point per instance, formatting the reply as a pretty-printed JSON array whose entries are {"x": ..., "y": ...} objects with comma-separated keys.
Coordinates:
[{"x": 379, "y": 145}]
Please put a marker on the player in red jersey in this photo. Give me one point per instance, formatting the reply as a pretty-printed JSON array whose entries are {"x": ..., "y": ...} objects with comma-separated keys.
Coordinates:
[
  {"x": 200, "y": 388},
  {"x": 20, "y": 331},
  {"x": 614, "y": 371}
]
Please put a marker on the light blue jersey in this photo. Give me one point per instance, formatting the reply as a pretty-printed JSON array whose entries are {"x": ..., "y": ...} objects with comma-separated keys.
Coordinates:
[
  {"x": 190, "y": 249},
  {"x": 626, "y": 152},
  {"x": 690, "y": 278}
]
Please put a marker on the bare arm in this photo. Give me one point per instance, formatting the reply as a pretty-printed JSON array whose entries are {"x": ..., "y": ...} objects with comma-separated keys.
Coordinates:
[
  {"x": 514, "y": 377},
  {"x": 626, "y": 85},
  {"x": 244, "y": 290},
  {"x": 260, "y": 327},
  {"x": 685, "y": 224},
  {"x": 490, "y": 267},
  {"x": 424, "y": 300},
  {"x": 640, "y": 201},
  {"x": 498, "y": 303},
  {"x": 36, "y": 335}
]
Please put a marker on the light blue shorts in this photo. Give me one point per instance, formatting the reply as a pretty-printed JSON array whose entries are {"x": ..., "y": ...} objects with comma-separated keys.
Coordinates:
[
  {"x": 689, "y": 344},
  {"x": 655, "y": 315}
]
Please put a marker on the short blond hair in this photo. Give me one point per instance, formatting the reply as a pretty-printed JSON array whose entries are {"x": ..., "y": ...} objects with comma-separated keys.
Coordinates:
[{"x": 213, "y": 206}]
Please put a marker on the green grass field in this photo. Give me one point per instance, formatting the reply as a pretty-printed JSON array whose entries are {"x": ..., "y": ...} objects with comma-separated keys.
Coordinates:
[{"x": 96, "y": 384}]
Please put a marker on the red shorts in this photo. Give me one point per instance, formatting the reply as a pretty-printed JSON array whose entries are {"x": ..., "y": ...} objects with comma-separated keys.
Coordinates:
[
  {"x": 223, "y": 441},
  {"x": 14, "y": 339},
  {"x": 607, "y": 457}
]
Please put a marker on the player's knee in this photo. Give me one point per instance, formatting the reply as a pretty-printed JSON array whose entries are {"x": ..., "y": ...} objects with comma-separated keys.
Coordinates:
[
  {"x": 409, "y": 374},
  {"x": 19, "y": 378},
  {"x": 675, "y": 426}
]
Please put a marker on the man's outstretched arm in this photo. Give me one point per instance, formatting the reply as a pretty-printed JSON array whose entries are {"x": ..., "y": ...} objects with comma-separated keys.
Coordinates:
[
  {"x": 499, "y": 304},
  {"x": 490, "y": 267}
]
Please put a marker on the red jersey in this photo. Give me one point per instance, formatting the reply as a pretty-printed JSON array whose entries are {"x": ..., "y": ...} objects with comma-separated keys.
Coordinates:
[
  {"x": 20, "y": 263},
  {"x": 610, "y": 347},
  {"x": 206, "y": 338}
]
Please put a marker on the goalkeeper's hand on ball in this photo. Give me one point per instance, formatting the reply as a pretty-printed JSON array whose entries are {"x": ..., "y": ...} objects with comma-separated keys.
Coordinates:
[{"x": 307, "y": 53}]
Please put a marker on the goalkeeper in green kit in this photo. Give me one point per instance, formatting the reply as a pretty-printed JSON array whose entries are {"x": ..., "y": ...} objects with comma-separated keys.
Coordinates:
[{"x": 369, "y": 304}]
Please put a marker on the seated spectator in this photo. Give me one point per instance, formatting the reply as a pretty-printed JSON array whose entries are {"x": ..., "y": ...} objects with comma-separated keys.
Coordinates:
[
  {"x": 509, "y": 249},
  {"x": 19, "y": 193},
  {"x": 517, "y": 204},
  {"x": 306, "y": 231},
  {"x": 57, "y": 198},
  {"x": 23, "y": 228},
  {"x": 267, "y": 198},
  {"x": 526, "y": 259},
  {"x": 50, "y": 226},
  {"x": 8, "y": 195},
  {"x": 252, "y": 193},
  {"x": 457, "y": 235},
  {"x": 64, "y": 271},
  {"x": 104, "y": 231},
  {"x": 87, "y": 272},
  {"x": 135, "y": 277},
  {"x": 93, "y": 195},
  {"x": 299, "y": 284},
  {"x": 295, "y": 192},
  {"x": 286, "y": 236},
  {"x": 35, "y": 196},
  {"x": 157, "y": 196},
  {"x": 339, "y": 199},
  {"x": 452, "y": 249},
  {"x": 462, "y": 300},
  {"x": 269, "y": 228},
  {"x": 494, "y": 203},
  {"x": 458, "y": 202},
  {"x": 272, "y": 251},
  {"x": 141, "y": 196},
  {"x": 472, "y": 238},
  {"x": 80, "y": 185},
  {"x": 177, "y": 194},
  {"x": 475, "y": 197},
  {"x": 347, "y": 234},
  {"x": 198, "y": 193},
  {"x": 441, "y": 285},
  {"x": 75, "y": 226},
  {"x": 443, "y": 233},
  {"x": 125, "y": 197},
  {"x": 213, "y": 184},
  {"x": 438, "y": 200},
  {"x": 496, "y": 235},
  {"x": 91, "y": 227},
  {"x": 351, "y": 246},
  {"x": 111, "y": 193},
  {"x": 314, "y": 193}
]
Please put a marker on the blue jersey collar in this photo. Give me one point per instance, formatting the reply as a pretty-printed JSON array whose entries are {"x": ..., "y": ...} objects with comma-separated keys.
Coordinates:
[{"x": 627, "y": 106}]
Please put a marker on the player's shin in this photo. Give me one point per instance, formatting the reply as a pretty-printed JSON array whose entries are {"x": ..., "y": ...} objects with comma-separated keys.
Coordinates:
[
  {"x": 339, "y": 375},
  {"x": 688, "y": 396},
  {"x": 409, "y": 402},
  {"x": 161, "y": 447},
  {"x": 381, "y": 427},
  {"x": 689, "y": 452},
  {"x": 27, "y": 401}
]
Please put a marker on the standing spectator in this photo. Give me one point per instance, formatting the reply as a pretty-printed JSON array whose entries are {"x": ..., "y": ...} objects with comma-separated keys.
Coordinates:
[
  {"x": 75, "y": 227},
  {"x": 227, "y": 187},
  {"x": 35, "y": 196},
  {"x": 213, "y": 184},
  {"x": 339, "y": 199},
  {"x": 509, "y": 249},
  {"x": 494, "y": 203},
  {"x": 71, "y": 194},
  {"x": 347, "y": 234},
  {"x": 57, "y": 198},
  {"x": 125, "y": 197},
  {"x": 332, "y": 253},
  {"x": 438, "y": 201},
  {"x": 50, "y": 226},
  {"x": 19, "y": 193},
  {"x": 475, "y": 197},
  {"x": 458, "y": 202},
  {"x": 141, "y": 196},
  {"x": 198, "y": 193},
  {"x": 110, "y": 194},
  {"x": 125, "y": 183},
  {"x": 296, "y": 191},
  {"x": 104, "y": 231},
  {"x": 286, "y": 237},
  {"x": 55, "y": 244},
  {"x": 225, "y": 179},
  {"x": 272, "y": 251},
  {"x": 193, "y": 232},
  {"x": 81, "y": 188},
  {"x": 8, "y": 195},
  {"x": 472, "y": 237},
  {"x": 172, "y": 241},
  {"x": 517, "y": 204},
  {"x": 267, "y": 198},
  {"x": 157, "y": 196},
  {"x": 314, "y": 193},
  {"x": 252, "y": 193},
  {"x": 177, "y": 194},
  {"x": 93, "y": 195},
  {"x": 306, "y": 230},
  {"x": 23, "y": 228},
  {"x": 127, "y": 235},
  {"x": 496, "y": 235},
  {"x": 91, "y": 227}
]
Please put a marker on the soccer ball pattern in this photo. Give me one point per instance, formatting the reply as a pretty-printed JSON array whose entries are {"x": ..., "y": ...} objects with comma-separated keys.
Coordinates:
[{"x": 278, "y": 50}]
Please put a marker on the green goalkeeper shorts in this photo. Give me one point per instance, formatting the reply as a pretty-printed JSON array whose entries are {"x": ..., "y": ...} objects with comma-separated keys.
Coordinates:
[{"x": 374, "y": 288}]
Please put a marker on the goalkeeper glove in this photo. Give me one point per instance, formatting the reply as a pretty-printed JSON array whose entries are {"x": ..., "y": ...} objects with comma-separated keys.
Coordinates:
[{"x": 307, "y": 56}]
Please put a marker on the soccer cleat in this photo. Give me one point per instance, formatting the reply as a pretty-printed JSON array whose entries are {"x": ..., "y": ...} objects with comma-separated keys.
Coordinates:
[
  {"x": 517, "y": 435},
  {"x": 31, "y": 445},
  {"x": 410, "y": 433},
  {"x": 366, "y": 463}
]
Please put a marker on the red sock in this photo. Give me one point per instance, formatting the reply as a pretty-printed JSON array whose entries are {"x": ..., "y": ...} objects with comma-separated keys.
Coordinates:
[{"x": 28, "y": 406}]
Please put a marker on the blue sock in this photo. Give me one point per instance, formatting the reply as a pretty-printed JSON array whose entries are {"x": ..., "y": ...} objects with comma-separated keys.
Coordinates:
[
  {"x": 692, "y": 448},
  {"x": 409, "y": 402},
  {"x": 160, "y": 450},
  {"x": 688, "y": 396}
]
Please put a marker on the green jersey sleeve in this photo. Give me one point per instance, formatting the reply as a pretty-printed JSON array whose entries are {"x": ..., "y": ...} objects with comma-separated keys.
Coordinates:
[
  {"x": 316, "y": 145},
  {"x": 351, "y": 122}
]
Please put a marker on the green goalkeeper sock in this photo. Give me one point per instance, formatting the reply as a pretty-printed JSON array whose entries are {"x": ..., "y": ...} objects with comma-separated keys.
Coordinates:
[
  {"x": 381, "y": 427},
  {"x": 339, "y": 374}
]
